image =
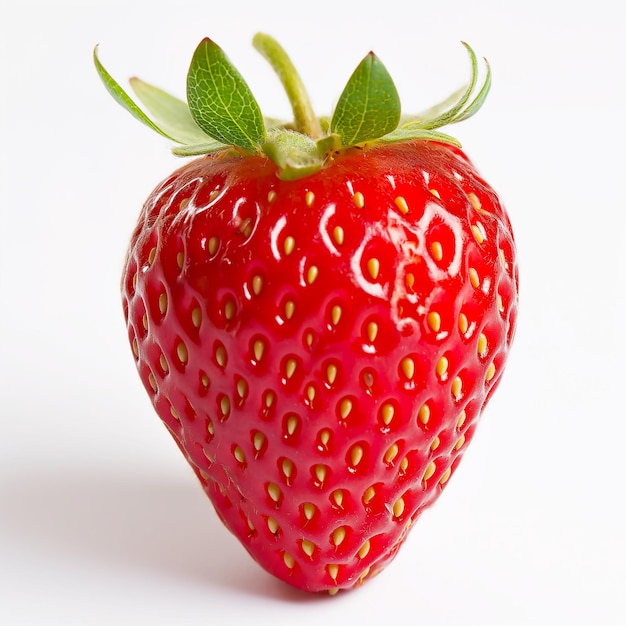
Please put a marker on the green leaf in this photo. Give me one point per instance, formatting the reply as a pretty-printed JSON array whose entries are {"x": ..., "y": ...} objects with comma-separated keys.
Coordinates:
[
  {"x": 295, "y": 154},
  {"x": 408, "y": 133},
  {"x": 123, "y": 98},
  {"x": 172, "y": 114},
  {"x": 195, "y": 149},
  {"x": 369, "y": 106},
  {"x": 220, "y": 101}
]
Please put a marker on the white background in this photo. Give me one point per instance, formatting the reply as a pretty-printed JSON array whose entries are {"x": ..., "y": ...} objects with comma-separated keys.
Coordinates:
[{"x": 101, "y": 520}]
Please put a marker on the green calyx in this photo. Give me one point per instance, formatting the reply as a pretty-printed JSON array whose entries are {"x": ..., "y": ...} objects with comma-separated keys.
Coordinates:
[{"x": 221, "y": 111}]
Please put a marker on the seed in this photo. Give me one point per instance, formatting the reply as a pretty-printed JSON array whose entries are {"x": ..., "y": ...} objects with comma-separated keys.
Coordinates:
[
  {"x": 338, "y": 235},
  {"x": 312, "y": 274},
  {"x": 364, "y": 549},
  {"x": 398, "y": 507},
  {"x": 258, "y": 440},
  {"x": 290, "y": 368},
  {"x": 320, "y": 473},
  {"x": 430, "y": 470},
  {"x": 457, "y": 387},
  {"x": 151, "y": 256},
  {"x": 163, "y": 303},
  {"x": 424, "y": 414},
  {"x": 163, "y": 363},
  {"x": 391, "y": 454},
  {"x": 359, "y": 200},
  {"x": 225, "y": 406},
  {"x": 289, "y": 560},
  {"x": 459, "y": 444},
  {"x": 373, "y": 267},
  {"x": 356, "y": 455},
  {"x": 239, "y": 455},
  {"x": 181, "y": 352},
  {"x": 221, "y": 356},
  {"x": 180, "y": 260},
  {"x": 435, "y": 193},
  {"x": 271, "y": 196},
  {"x": 308, "y": 547},
  {"x": 325, "y": 437},
  {"x": 257, "y": 284},
  {"x": 339, "y": 534},
  {"x": 403, "y": 207},
  {"x": 292, "y": 424},
  {"x": 259, "y": 349},
  {"x": 445, "y": 476},
  {"x": 437, "y": 250},
  {"x": 408, "y": 367},
  {"x": 442, "y": 367},
  {"x": 196, "y": 317},
  {"x": 229, "y": 310},
  {"x": 473, "y": 198},
  {"x": 434, "y": 321},
  {"x": 491, "y": 371},
  {"x": 372, "y": 331},
  {"x": 152, "y": 381},
  {"x": 290, "y": 307},
  {"x": 331, "y": 373},
  {"x": 337, "y": 496},
  {"x": 474, "y": 278},
  {"x": 463, "y": 323},
  {"x": 274, "y": 492},
  {"x": 435, "y": 444},
  {"x": 461, "y": 420},
  {"x": 273, "y": 526},
  {"x": 213, "y": 245},
  {"x": 309, "y": 510},
  {"x": 333, "y": 571},
  {"x": 387, "y": 412},
  {"x": 478, "y": 233},
  {"x": 369, "y": 494},
  {"x": 482, "y": 345},
  {"x": 287, "y": 468},
  {"x": 309, "y": 198},
  {"x": 289, "y": 245},
  {"x": 335, "y": 314},
  {"x": 242, "y": 388}
]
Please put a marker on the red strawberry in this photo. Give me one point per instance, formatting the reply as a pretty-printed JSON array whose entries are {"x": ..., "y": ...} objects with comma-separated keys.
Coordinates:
[{"x": 319, "y": 317}]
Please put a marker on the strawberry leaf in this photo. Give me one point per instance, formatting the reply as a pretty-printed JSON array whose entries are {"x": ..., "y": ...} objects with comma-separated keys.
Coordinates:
[
  {"x": 220, "y": 101},
  {"x": 369, "y": 106},
  {"x": 122, "y": 98},
  {"x": 295, "y": 154},
  {"x": 172, "y": 114}
]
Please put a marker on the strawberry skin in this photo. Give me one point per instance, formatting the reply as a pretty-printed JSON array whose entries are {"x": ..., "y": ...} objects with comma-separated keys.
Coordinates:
[{"x": 321, "y": 349}]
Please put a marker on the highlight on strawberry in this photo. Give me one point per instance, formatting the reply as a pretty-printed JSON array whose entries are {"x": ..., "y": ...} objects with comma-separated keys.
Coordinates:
[{"x": 319, "y": 309}]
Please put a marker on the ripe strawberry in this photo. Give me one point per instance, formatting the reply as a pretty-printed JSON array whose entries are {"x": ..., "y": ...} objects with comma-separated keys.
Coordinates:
[{"x": 319, "y": 315}]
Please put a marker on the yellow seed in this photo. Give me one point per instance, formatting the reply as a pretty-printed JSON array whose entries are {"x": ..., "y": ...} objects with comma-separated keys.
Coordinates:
[
  {"x": 482, "y": 345},
  {"x": 257, "y": 284},
  {"x": 491, "y": 371},
  {"x": 404, "y": 464},
  {"x": 271, "y": 196},
  {"x": 290, "y": 368},
  {"x": 437, "y": 250},
  {"x": 274, "y": 492},
  {"x": 403, "y": 207},
  {"x": 289, "y": 245},
  {"x": 461, "y": 420},
  {"x": 259, "y": 349},
  {"x": 229, "y": 310},
  {"x": 473, "y": 198},
  {"x": 225, "y": 406},
  {"x": 181, "y": 352},
  {"x": 345, "y": 407},
  {"x": 242, "y": 388},
  {"x": 325, "y": 436},
  {"x": 239, "y": 455},
  {"x": 196, "y": 317},
  {"x": 369, "y": 494},
  {"x": 174, "y": 413},
  {"x": 180, "y": 260},
  {"x": 410, "y": 280},
  {"x": 204, "y": 379},
  {"x": 339, "y": 534},
  {"x": 459, "y": 444},
  {"x": 309, "y": 198},
  {"x": 320, "y": 472},
  {"x": 163, "y": 363},
  {"x": 308, "y": 547},
  {"x": 424, "y": 414},
  {"x": 213, "y": 245},
  {"x": 457, "y": 387},
  {"x": 359, "y": 200},
  {"x": 408, "y": 366},
  {"x": 474, "y": 278},
  {"x": 338, "y": 497},
  {"x": 290, "y": 307},
  {"x": 442, "y": 367},
  {"x": 435, "y": 193},
  {"x": 430, "y": 470},
  {"x": 333, "y": 571},
  {"x": 435, "y": 444},
  {"x": 292, "y": 424},
  {"x": 445, "y": 476},
  {"x": 309, "y": 510},
  {"x": 387, "y": 412},
  {"x": 152, "y": 381},
  {"x": 372, "y": 331},
  {"x": 392, "y": 453},
  {"x": 373, "y": 267},
  {"x": 287, "y": 468},
  {"x": 163, "y": 303},
  {"x": 333, "y": 592},
  {"x": 289, "y": 560},
  {"x": 135, "y": 347},
  {"x": 309, "y": 339},
  {"x": 210, "y": 428},
  {"x": 214, "y": 194},
  {"x": 331, "y": 373},
  {"x": 273, "y": 526},
  {"x": 220, "y": 356},
  {"x": 478, "y": 235},
  {"x": 312, "y": 274},
  {"x": 310, "y": 393},
  {"x": 269, "y": 399},
  {"x": 151, "y": 256},
  {"x": 398, "y": 507},
  {"x": 503, "y": 260},
  {"x": 335, "y": 314},
  {"x": 434, "y": 321},
  {"x": 364, "y": 549},
  {"x": 356, "y": 455},
  {"x": 258, "y": 441},
  {"x": 144, "y": 321},
  {"x": 463, "y": 323},
  {"x": 338, "y": 235},
  {"x": 500, "y": 303}
]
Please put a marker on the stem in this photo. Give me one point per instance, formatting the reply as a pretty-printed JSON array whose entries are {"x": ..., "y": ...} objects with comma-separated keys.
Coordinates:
[{"x": 304, "y": 117}]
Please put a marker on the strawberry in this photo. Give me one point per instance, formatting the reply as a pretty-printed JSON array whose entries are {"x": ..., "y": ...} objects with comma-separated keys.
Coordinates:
[{"x": 319, "y": 311}]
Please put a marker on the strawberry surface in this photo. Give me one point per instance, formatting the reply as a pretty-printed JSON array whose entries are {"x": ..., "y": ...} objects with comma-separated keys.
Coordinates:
[{"x": 321, "y": 349}]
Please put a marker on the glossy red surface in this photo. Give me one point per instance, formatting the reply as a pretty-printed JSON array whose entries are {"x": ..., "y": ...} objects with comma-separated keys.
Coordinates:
[{"x": 321, "y": 349}]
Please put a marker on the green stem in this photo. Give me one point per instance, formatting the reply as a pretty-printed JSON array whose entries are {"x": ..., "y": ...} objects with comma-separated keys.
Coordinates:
[{"x": 304, "y": 117}]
